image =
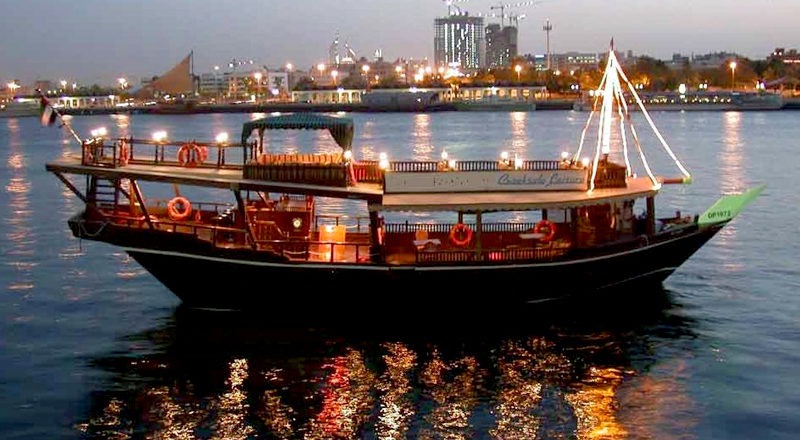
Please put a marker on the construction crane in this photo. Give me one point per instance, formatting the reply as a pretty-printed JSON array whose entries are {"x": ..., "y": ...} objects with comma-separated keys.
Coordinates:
[
  {"x": 451, "y": 5},
  {"x": 515, "y": 18},
  {"x": 502, "y": 8}
]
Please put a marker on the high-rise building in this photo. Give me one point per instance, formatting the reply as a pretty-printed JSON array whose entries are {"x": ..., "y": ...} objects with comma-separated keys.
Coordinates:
[
  {"x": 501, "y": 45},
  {"x": 458, "y": 40}
]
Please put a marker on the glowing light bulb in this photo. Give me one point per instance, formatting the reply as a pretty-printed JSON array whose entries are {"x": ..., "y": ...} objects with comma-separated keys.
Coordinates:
[{"x": 159, "y": 136}]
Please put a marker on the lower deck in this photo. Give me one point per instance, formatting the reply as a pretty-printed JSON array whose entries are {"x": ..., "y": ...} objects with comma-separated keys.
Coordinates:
[{"x": 288, "y": 229}]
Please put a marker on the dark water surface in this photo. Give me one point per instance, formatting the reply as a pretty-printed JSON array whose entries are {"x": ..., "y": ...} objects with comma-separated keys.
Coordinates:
[{"x": 92, "y": 346}]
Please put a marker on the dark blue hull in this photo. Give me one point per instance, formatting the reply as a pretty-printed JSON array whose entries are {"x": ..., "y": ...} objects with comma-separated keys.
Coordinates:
[{"x": 209, "y": 278}]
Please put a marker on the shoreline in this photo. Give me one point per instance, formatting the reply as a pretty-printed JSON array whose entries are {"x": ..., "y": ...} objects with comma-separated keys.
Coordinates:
[{"x": 541, "y": 105}]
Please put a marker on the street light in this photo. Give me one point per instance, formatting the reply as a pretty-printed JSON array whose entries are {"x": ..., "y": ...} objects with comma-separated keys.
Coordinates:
[
  {"x": 12, "y": 87},
  {"x": 365, "y": 69},
  {"x": 518, "y": 69},
  {"x": 732, "y": 65},
  {"x": 258, "y": 77}
]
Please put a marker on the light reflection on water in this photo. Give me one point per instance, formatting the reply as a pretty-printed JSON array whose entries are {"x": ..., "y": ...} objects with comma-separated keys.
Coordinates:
[
  {"x": 519, "y": 134},
  {"x": 422, "y": 148},
  {"x": 20, "y": 248},
  {"x": 233, "y": 376},
  {"x": 732, "y": 179}
]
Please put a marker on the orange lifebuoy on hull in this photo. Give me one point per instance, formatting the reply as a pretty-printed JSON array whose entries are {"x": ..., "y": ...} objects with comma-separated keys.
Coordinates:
[
  {"x": 460, "y": 235},
  {"x": 547, "y": 228},
  {"x": 179, "y": 208}
]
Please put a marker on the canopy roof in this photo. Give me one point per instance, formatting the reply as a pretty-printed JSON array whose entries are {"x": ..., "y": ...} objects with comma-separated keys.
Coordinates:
[{"x": 341, "y": 128}]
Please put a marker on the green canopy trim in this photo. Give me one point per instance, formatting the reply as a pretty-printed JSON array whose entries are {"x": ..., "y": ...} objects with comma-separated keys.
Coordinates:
[
  {"x": 729, "y": 206},
  {"x": 341, "y": 128}
]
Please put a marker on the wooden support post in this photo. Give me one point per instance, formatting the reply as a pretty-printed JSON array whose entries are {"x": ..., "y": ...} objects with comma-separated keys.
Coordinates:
[
  {"x": 72, "y": 187},
  {"x": 651, "y": 215},
  {"x": 243, "y": 210},
  {"x": 478, "y": 227},
  {"x": 140, "y": 199},
  {"x": 573, "y": 219},
  {"x": 376, "y": 248}
]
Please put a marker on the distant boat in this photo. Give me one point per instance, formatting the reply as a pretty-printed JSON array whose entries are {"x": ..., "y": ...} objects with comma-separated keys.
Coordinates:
[
  {"x": 20, "y": 108},
  {"x": 696, "y": 101},
  {"x": 495, "y": 104}
]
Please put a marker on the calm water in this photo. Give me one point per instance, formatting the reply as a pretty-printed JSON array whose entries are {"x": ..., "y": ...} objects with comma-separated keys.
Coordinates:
[{"x": 91, "y": 346}]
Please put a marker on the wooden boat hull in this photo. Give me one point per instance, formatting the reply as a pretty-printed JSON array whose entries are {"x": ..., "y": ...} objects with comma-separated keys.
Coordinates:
[{"x": 207, "y": 277}]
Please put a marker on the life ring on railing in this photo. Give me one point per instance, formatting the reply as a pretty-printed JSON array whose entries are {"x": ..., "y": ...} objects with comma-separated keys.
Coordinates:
[
  {"x": 124, "y": 153},
  {"x": 547, "y": 228},
  {"x": 179, "y": 208},
  {"x": 187, "y": 155},
  {"x": 202, "y": 154},
  {"x": 460, "y": 235}
]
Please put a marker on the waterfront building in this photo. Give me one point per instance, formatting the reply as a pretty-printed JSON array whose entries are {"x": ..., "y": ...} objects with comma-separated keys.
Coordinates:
[
  {"x": 565, "y": 62},
  {"x": 213, "y": 84},
  {"x": 459, "y": 42},
  {"x": 85, "y": 102},
  {"x": 339, "y": 55},
  {"x": 712, "y": 60},
  {"x": 328, "y": 96},
  {"x": 501, "y": 45},
  {"x": 790, "y": 56},
  {"x": 575, "y": 61},
  {"x": 517, "y": 92}
]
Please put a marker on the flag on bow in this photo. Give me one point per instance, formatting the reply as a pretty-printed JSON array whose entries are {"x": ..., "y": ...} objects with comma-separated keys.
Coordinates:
[{"x": 49, "y": 114}]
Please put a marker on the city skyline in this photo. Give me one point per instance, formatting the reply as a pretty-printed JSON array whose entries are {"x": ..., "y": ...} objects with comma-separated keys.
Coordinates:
[{"x": 97, "y": 41}]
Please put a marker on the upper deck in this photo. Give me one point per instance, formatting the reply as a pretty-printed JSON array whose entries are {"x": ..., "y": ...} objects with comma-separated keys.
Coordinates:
[{"x": 397, "y": 186}]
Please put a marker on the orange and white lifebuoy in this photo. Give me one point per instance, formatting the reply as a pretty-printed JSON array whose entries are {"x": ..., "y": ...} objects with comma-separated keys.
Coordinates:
[
  {"x": 460, "y": 235},
  {"x": 124, "y": 153},
  {"x": 190, "y": 155},
  {"x": 202, "y": 154},
  {"x": 547, "y": 229},
  {"x": 179, "y": 208}
]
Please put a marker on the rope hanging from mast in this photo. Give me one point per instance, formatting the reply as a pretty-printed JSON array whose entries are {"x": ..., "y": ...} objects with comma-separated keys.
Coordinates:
[{"x": 612, "y": 89}]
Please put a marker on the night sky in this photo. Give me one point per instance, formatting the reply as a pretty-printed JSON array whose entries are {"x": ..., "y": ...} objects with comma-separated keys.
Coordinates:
[{"x": 97, "y": 41}]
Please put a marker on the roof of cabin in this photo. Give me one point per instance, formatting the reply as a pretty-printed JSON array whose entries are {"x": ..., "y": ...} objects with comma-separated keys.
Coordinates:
[{"x": 340, "y": 127}]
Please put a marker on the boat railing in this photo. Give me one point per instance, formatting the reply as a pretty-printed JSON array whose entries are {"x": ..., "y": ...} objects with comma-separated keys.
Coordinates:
[
  {"x": 472, "y": 165},
  {"x": 118, "y": 152},
  {"x": 361, "y": 221},
  {"x": 370, "y": 171},
  {"x": 332, "y": 174},
  {"x": 367, "y": 171},
  {"x": 445, "y": 228},
  {"x": 322, "y": 251},
  {"x": 499, "y": 255}
]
